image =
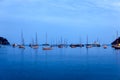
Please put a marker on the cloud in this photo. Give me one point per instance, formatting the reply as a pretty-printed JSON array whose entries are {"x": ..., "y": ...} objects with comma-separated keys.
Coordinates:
[
  {"x": 116, "y": 4},
  {"x": 107, "y": 4},
  {"x": 57, "y": 10}
]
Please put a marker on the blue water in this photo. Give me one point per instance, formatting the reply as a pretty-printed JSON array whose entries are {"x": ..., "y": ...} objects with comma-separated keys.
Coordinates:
[{"x": 59, "y": 64}]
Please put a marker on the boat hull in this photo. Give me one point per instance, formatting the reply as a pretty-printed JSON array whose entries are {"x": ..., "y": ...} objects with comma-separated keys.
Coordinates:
[
  {"x": 47, "y": 48},
  {"x": 35, "y": 47},
  {"x": 21, "y": 46}
]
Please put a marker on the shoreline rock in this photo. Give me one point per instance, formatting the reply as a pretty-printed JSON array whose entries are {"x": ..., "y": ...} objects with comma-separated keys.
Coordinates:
[
  {"x": 117, "y": 41},
  {"x": 4, "y": 41}
]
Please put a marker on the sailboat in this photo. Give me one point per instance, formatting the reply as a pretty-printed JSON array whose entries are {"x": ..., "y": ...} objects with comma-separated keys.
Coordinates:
[
  {"x": 61, "y": 45},
  {"x": 35, "y": 46},
  {"x": 77, "y": 45},
  {"x": 88, "y": 45},
  {"x": 22, "y": 45},
  {"x": 96, "y": 44},
  {"x": 46, "y": 46},
  {"x": 30, "y": 45},
  {"x": 14, "y": 45},
  {"x": 73, "y": 45},
  {"x": 81, "y": 45}
]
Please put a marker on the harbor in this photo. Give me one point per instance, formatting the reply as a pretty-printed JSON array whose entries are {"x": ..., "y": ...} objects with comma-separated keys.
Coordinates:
[
  {"x": 46, "y": 46},
  {"x": 59, "y": 39}
]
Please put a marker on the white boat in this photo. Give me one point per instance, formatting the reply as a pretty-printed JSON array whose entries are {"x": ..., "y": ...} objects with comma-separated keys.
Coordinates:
[
  {"x": 47, "y": 48},
  {"x": 105, "y": 46}
]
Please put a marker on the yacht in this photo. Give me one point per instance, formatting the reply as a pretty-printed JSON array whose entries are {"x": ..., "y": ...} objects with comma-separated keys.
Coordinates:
[{"x": 46, "y": 46}]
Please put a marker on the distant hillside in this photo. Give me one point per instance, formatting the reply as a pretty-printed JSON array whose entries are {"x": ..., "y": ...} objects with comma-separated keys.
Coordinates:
[
  {"x": 4, "y": 41},
  {"x": 116, "y": 41}
]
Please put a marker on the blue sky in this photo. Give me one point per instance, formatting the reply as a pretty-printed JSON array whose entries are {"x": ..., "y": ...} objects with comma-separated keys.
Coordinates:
[{"x": 69, "y": 19}]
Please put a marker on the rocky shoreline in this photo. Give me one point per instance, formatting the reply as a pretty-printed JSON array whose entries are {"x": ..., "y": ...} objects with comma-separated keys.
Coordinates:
[{"x": 4, "y": 41}]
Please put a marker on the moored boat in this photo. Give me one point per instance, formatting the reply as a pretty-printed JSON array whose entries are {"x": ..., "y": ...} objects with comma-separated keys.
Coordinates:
[
  {"x": 105, "y": 46},
  {"x": 60, "y": 45},
  {"x": 35, "y": 46},
  {"x": 88, "y": 46},
  {"x": 95, "y": 44},
  {"x": 46, "y": 46},
  {"x": 14, "y": 45},
  {"x": 22, "y": 45},
  {"x": 76, "y": 45},
  {"x": 73, "y": 46}
]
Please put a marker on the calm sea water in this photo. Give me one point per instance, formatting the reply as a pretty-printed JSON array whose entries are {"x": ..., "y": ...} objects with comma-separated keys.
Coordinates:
[{"x": 59, "y": 64}]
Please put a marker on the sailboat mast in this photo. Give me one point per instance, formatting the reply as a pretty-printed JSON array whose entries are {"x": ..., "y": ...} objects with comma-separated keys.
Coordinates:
[
  {"x": 87, "y": 39},
  {"x": 22, "y": 38},
  {"x": 32, "y": 41},
  {"x": 80, "y": 41},
  {"x": 61, "y": 40},
  {"x": 36, "y": 39},
  {"x": 46, "y": 38}
]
